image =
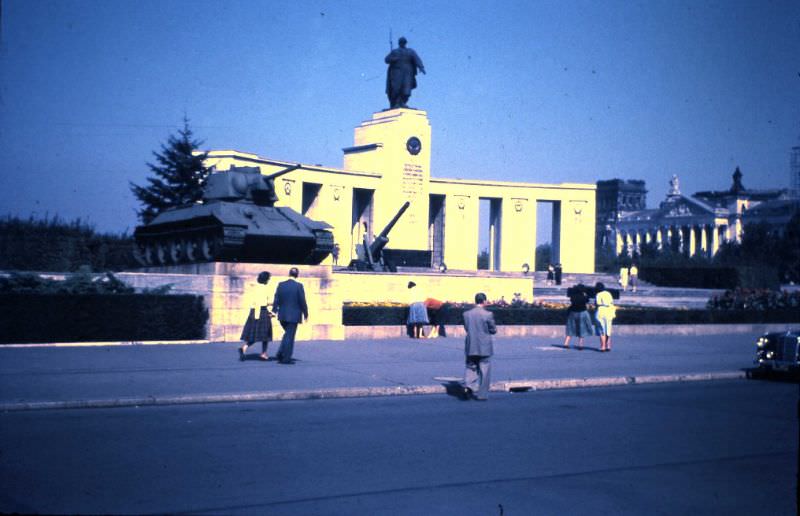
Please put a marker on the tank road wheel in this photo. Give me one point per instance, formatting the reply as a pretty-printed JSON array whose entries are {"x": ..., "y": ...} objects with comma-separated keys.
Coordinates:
[
  {"x": 150, "y": 253},
  {"x": 139, "y": 254},
  {"x": 175, "y": 248},
  {"x": 210, "y": 246},
  {"x": 190, "y": 249},
  {"x": 162, "y": 253}
]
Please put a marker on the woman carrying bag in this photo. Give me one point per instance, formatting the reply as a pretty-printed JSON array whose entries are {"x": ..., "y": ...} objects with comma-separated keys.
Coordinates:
[{"x": 260, "y": 329}]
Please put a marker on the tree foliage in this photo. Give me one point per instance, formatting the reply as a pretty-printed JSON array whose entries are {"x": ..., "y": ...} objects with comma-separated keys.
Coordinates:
[
  {"x": 178, "y": 176},
  {"x": 53, "y": 244}
]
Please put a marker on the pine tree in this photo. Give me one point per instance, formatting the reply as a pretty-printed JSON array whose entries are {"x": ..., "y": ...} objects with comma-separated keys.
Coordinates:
[{"x": 179, "y": 175}]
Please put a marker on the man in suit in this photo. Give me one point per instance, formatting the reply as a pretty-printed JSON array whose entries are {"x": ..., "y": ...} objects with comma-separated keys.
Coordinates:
[
  {"x": 290, "y": 304},
  {"x": 478, "y": 348}
]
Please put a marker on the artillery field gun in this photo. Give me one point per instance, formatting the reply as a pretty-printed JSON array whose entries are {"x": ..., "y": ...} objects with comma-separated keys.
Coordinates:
[
  {"x": 372, "y": 257},
  {"x": 237, "y": 221}
]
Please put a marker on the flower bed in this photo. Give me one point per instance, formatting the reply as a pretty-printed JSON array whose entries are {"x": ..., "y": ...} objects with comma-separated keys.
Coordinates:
[{"x": 362, "y": 314}]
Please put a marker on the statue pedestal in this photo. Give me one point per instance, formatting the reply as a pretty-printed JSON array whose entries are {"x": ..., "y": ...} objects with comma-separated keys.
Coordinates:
[{"x": 396, "y": 143}]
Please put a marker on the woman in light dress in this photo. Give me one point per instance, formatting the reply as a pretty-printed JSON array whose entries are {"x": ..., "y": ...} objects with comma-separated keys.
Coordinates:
[
  {"x": 258, "y": 329},
  {"x": 606, "y": 311}
]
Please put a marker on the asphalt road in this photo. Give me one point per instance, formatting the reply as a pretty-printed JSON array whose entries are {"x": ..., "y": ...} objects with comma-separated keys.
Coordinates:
[{"x": 727, "y": 447}]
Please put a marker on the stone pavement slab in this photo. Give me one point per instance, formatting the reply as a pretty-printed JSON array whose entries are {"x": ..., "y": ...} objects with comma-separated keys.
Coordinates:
[{"x": 205, "y": 371}]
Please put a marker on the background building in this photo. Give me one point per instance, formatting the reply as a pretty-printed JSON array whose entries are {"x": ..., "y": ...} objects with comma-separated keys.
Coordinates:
[
  {"x": 616, "y": 198},
  {"x": 696, "y": 224}
]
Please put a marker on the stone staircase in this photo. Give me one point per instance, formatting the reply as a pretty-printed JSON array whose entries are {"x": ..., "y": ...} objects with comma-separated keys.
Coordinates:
[{"x": 646, "y": 294}]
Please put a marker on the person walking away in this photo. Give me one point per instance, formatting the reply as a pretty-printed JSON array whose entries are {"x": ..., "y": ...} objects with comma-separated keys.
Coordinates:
[
  {"x": 290, "y": 305},
  {"x": 478, "y": 349},
  {"x": 558, "y": 271},
  {"x": 606, "y": 311},
  {"x": 550, "y": 275},
  {"x": 579, "y": 323},
  {"x": 417, "y": 313},
  {"x": 623, "y": 278},
  {"x": 259, "y": 329},
  {"x": 633, "y": 277}
]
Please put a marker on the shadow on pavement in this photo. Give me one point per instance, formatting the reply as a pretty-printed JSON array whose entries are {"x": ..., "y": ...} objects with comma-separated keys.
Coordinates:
[
  {"x": 456, "y": 389},
  {"x": 755, "y": 373},
  {"x": 574, "y": 348}
]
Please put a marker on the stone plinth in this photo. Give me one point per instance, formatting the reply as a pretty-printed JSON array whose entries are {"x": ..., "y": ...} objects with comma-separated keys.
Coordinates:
[{"x": 227, "y": 289}]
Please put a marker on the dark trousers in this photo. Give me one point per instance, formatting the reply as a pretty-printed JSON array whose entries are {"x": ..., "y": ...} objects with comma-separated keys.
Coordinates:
[{"x": 287, "y": 342}]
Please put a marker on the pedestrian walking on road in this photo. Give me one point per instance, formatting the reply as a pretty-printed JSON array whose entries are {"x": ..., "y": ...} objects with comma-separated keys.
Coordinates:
[
  {"x": 290, "y": 304},
  {"x": 606, "y": 311},
  {"x": 258, "y": 329},
  {"x": 478, "y": 349},
  {"x": 579, "y": 323}
]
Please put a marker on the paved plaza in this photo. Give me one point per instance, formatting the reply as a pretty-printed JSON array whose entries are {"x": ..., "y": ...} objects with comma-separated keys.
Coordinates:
[{"x": 129, "y": 375}]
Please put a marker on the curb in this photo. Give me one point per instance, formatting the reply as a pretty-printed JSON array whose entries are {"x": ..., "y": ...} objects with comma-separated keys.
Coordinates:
[
  {"x": 105, "y": 343},
  {"x": 364, "y": 392}
]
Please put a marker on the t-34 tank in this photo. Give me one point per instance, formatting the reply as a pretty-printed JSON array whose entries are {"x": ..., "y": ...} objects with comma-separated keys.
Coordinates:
[{"x": 237, "y": 221}]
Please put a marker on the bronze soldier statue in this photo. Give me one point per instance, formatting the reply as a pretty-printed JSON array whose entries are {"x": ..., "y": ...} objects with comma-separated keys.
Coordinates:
[{"x": 401, "y": 77}]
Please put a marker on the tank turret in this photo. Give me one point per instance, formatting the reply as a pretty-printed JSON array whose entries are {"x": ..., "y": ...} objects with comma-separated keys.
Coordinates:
[{"x": 236, "y": 221}]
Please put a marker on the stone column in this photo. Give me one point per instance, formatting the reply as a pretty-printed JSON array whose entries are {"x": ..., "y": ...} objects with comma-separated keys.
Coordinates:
[
  {"x": 737, "y": 228},
  {"x": 714, "y": 239},
  {"x": 692, "y": 242},
  {"x": 704, "y": 240},
  {"x": 659, "y": 239},
  {"x": 619, "y": 243}
]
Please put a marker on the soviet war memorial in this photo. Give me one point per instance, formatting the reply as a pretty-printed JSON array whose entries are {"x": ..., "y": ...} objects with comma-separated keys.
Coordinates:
[{"x": 521, "y": 258}]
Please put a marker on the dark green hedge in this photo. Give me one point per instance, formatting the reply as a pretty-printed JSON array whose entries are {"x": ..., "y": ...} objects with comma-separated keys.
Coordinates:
[
  {"x": 53, "y": 244},
  {"x": 390, "y": 316},
  {"x": 26, "y": 318},
  {"x": 711, "y": 277}
]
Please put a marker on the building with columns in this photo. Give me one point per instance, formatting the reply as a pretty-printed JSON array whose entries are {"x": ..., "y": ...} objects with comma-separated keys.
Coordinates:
[
  {"x": 389, "y": 163},
  {"x": 700, "y": 223}
]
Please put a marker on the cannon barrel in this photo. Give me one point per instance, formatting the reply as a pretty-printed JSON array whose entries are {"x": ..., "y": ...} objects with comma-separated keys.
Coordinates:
[
  {"x": 383, "y": 238},
  {"x": 394, "y": 220},
  {"x": 283, "y": 172}
]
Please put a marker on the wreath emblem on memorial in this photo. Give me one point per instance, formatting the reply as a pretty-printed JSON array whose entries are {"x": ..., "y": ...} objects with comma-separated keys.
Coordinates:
[{"x": 414, "y": 145}]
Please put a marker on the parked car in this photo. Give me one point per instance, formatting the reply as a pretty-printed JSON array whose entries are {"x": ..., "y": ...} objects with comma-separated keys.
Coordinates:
[{"x": 778, "y": 351}]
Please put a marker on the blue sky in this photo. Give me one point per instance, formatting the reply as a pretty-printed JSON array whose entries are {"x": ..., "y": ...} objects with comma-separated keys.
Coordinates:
[{"x": 539, "y": 91}]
